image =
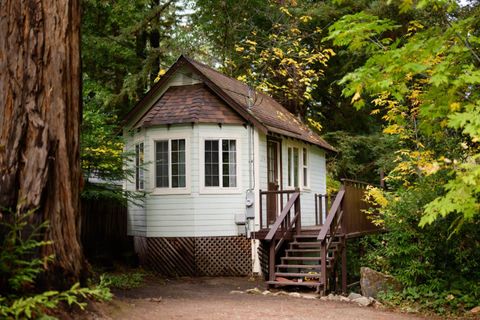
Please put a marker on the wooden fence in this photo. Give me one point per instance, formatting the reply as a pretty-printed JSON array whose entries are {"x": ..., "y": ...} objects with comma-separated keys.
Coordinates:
[
  {"x": 104, "y": 232},
  {"x": 356, "y": 221}
]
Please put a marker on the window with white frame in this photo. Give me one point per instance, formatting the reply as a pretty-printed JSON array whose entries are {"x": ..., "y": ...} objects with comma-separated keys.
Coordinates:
[
  {"x": 293, "y": 165},
  {"x": 305, "y": 167},
  {"x": 139, "y": 172},
  {"x": 170, "y": 164},
  {"x": 220, "y": 165}
]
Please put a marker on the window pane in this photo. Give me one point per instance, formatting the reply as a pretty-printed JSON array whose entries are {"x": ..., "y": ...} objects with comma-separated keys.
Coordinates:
[
  {"x": 305, "y": 177},
  {"x": 295, "y": 167},
  {"x": 139, "y": 172},
  {"x": 211, "y": 163},
  {"x": 305, "y": 167},
  {"x": 178, "y": 163},
  {"x": 289, "y": 166},
  {"x": 161, "y": 163},
  {"x": 229, "y": 163}
]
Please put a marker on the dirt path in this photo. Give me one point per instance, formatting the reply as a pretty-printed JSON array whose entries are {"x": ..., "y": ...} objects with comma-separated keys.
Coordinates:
[{"x": 210, "y": 298}]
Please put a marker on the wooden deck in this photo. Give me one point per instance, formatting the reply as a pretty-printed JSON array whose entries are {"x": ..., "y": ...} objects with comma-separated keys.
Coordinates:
[{"x": 308, "y": 255}]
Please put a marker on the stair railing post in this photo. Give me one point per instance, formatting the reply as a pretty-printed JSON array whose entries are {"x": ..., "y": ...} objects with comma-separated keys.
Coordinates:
[
  {"x": 344, "y": 265},
  {"x": 323, "y": 253},
  {"x": 271, "y": 261},
  {"x": 260, "y": 205},
  {"x": 298, "y": 214},
  {"x": 344, "y": 248}
]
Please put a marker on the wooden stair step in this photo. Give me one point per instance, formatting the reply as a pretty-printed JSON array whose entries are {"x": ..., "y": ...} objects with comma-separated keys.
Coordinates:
[
  {"x": 305, "y": 236},
  {"x": 302, "y": 258},
  {"x": 299, "y": 266},
  {"x": 305, "y": 284},
  {"x": 306, "y": 244},
  {"x": 298, "y": 274},
  {"x": 303, "y": 250},
  {"x": 315, "y": 244}
]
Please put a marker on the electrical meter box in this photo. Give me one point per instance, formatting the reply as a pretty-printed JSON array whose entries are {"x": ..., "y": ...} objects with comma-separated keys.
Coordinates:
[{"x": 249, "y": 204}]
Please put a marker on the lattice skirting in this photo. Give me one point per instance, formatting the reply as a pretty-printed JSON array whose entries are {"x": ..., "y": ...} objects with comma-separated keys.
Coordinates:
[
  {"x": 263, "y": 257},
  {"x": 198, "y": 256}
]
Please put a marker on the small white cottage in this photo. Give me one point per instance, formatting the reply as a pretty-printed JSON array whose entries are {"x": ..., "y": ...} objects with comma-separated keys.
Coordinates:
[{"x": 206, "y": 145}]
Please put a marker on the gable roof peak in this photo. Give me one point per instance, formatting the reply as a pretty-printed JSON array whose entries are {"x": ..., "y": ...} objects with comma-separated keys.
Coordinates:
[{"x": 256, "y": 107}]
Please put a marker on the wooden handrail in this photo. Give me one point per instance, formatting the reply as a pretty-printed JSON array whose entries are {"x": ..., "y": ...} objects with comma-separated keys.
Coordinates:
[
  {"x": 277, "y": 191},
  {"x": 331, "y": 215},
  {"x": 353, "y": 181},
  {"x": 282, "y": 216}
]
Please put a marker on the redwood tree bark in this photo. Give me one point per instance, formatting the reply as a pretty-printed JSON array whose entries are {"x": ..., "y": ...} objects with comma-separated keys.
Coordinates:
[{"x": 40, "y": 114}]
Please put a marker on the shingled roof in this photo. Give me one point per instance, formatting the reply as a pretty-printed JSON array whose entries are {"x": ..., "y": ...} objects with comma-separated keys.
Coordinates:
[
  {"x": 189, "y": 104},
  {"x": 253, "y": 106}
]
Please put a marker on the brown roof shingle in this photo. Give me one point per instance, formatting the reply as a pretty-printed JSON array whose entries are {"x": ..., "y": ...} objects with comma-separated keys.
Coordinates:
[
  {"x": 265, "y": 109},
  {"x": 189, "y": 104},
  {"x": 260, "y": 109}
]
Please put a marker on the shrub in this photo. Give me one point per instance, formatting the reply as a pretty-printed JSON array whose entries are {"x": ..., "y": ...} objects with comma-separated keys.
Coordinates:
[
  {"x": 125, "y": 281},
  {"x": 439, "y": 269},
  {"x": 19, "y": 270}
]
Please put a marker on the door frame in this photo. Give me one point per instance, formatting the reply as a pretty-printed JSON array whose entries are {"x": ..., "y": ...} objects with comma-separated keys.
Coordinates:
[{"x": 279, "y": 174}]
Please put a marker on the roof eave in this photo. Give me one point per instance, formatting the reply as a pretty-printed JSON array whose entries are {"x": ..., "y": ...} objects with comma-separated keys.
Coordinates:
[{"x": 225, "y": 97}]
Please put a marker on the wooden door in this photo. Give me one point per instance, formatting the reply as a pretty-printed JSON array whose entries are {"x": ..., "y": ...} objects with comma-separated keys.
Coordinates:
[{"x": 273, "y": 180}]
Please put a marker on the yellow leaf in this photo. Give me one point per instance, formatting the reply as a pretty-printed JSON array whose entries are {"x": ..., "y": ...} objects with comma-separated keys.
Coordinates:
[
  {"x": 160, "y": 74},
  {"x": 356, "y": 96},
  {"x": 455, "y": 106},
  {"x": 285, "y": 10},
  {"x": 305, "y": 19}
]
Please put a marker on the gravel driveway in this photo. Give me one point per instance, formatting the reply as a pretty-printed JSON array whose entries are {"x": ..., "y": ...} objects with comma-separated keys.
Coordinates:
[{"x": 211, "y": 298}]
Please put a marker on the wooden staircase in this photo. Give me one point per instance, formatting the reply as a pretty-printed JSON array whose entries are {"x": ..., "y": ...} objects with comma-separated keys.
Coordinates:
[
  {"x": 302, "y": 262},
  {"x": 307, "y": 259}
]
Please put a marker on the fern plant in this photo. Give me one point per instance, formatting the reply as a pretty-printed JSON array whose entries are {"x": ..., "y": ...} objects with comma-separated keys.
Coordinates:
[{"x": 20, "y": 267}]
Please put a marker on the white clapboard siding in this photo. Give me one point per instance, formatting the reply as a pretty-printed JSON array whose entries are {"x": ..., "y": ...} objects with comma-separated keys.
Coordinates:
[
  {"x": 317, "y": 179},
  {"x": 316, "y": 169},
  {"x": 196, "y": 211}
]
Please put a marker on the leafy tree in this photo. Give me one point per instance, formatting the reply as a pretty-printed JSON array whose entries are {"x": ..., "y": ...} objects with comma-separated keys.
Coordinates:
[
  {"x": 425, "y": 84},
  {"x": 125, "y": 45}
]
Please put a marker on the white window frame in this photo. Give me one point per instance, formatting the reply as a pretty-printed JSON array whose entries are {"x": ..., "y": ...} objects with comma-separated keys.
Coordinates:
[
  {"x": 140, "y": 177},
  {"x": 301, "y": 186},
  {"x": 305, "y": 166},
  {"x": 220, "y": 189},
  {"x": 291, "y": 176},
  {"x": 169, "y": 190}
]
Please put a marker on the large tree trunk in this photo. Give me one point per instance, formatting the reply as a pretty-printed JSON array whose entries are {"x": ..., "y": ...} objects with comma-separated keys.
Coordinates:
[{"x": 40, "y": 113}]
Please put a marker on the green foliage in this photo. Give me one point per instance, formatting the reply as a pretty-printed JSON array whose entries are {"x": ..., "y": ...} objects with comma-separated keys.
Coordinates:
[
  {"x": 124, "y": 281},
  {"x": 360, "y": 157},
  {"x": 102, "y": 152},
  {"x": 28, "y": 307},
  {"x": 431, "y": 262},
  {"x": 19, "y": 270},
  {"x": 424, "y": 84},
  {"x": 124, "y": 46}
]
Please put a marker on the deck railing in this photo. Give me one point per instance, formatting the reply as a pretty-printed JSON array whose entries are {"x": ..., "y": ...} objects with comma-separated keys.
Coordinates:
[
  {"x": 278, "y": 198},
  {"x": 329, "y": 231},
  {"x": 322, "y": 206},
  {"x": 286, "y": 224}
]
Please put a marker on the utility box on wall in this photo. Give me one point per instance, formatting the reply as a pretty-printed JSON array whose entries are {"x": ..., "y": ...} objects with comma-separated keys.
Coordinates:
[{"x": 250, "y": 204}]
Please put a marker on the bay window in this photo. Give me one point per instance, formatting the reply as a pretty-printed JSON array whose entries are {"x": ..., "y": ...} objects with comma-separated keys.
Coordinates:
[
  {"x": 170, "y": 164},
  {"x": 220, "y": 165}
]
